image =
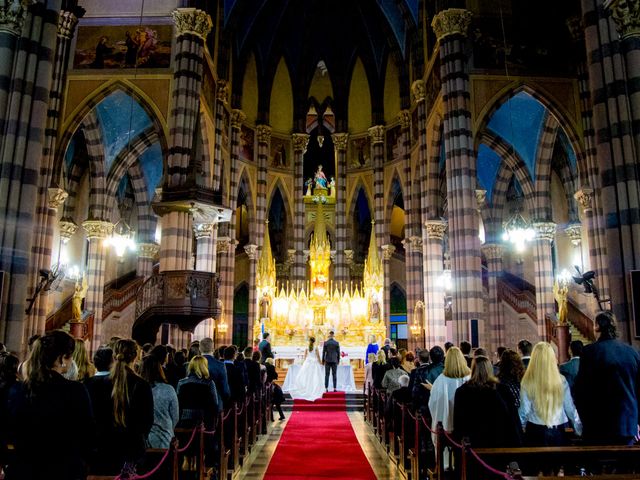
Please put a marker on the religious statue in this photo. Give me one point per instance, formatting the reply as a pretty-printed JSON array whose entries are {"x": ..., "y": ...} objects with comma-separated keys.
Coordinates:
[
  {"x": 560, "y": 292},
  {"x": 307, "y": 185},
  {"x": 79, "y": 293},
  {"x": 265, "y": 306},
  {"x": 332, "y": 185},
  {"x": 320, "y": 178},
  {"x": 374, "y": 309}
]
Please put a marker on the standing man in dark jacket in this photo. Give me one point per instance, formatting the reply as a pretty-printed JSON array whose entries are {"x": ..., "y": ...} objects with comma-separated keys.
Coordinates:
[
  {"x": 570, "y": 369},
  {"x": 606, "y": 388},
  {"x": 426, "y": 373},
  {"x": 265, "y": 347},
  {"x": 234, "y": 375},
  {"x": 330, "y": 360},
  {"x": 217, "y": 371}
]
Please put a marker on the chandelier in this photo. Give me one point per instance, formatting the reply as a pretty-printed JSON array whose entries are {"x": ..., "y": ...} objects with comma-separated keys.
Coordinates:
[
  {"x": 121, "y": 238},
  {"x": 518, "y": 232}
]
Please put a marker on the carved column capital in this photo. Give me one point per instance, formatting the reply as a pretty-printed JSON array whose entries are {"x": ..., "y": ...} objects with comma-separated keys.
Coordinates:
[
  {"x": 13, "y": 14},
  {"x": 300, "y": 142},
  {"x": 263, "y": 133},
  {"x": 377, "y": 134},
  {"x": 414, "y": 243},
  {"x": 57, "y": 196},
  {"x": 223, "y": 244},
  {"x": 436, "y": 229},
  {"x": 574, "y": 232},
  {"x": 575, "y": 27},
  {"x": 202, "y": 230},
  {"x": 451, "y": 21},
  {"x": 193, "y": 21},
  {"x": 404, "y": 116},
  {"x": 237, "y": 117},
  {"x": 626, "y": 15},
  {"x": 251, "y": 251},
  {"x": 348, "y": 257},
  {"x": 340, "y": 141},
  {"x": 67, "y": 229},
  {"x": 148, "y": 250},
  {"x": 291, "y": 256},
  {"x": 387, "y": 251},
  {"x": 97, "y": 229},
  {"x": 481, "y": 198},
  {"x": 584, "y": 196},
  {"x": 492, "y": 251},
  {"x": 67, "y": 22},
  {"x": 545, "y": 230},
  {"x": 418, "y": 91},
  {"x": 222, "y": 91}
]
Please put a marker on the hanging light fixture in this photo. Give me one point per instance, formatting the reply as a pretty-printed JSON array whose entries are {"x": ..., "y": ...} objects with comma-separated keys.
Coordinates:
[
  {"x": 518, "y": 232},
  {"x": 121, "y": 238}
]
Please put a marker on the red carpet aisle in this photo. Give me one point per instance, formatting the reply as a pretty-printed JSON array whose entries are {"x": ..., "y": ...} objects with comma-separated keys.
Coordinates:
[{"x": 319, "y": 442}]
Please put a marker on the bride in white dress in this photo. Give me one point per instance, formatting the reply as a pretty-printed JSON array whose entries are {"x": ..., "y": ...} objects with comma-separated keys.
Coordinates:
[{"x": 309, "y": 384}]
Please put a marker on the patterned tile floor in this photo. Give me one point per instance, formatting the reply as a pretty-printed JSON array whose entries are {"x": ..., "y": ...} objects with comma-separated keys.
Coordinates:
[{"x": 264, "y": 449}]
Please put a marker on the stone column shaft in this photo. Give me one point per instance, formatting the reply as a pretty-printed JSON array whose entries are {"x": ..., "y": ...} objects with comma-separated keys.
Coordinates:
[
  {"x": 264, "y": 145},
  {"x": 300, "y": 142},
  {"x": 376, "y": 133},
  {"x": 206, "y": 238},
  {"x": 387, "y": 253},
  {"x": 147, "y": 254},
  {"x": 341, "y": 270},
  {"x": 495, "y": 323},
  {"x": 252, "y": 253},
  {"x": 545, "y": 233},
  {"x": 222, "y": 98}
]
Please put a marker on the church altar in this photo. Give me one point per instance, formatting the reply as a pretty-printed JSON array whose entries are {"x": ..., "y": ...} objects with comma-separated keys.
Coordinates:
[
  {"x": 345, "y": 380},
  {"x": 296, "y": 353}
]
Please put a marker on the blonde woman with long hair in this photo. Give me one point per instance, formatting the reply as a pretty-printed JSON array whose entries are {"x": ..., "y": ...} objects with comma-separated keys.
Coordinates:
[
  {"x": 81, "y": 357},
  {"x": 546, "y": 406}
]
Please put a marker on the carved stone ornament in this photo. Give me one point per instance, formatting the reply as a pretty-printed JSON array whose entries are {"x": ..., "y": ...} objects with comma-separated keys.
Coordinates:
[
  {"x": 418, "y": 91},
  {"x": 377, "y": 134},
  {"x": 387, "y": 251},
  {"x": 348, "y": 257},
  {"x": 436, "y": 229},
  {"x": 97, "y": 229},
  {"x": 13, "y": 14},
  {"x": 451, "y": 21},
  {"x": 300, "y": 142},
  {"x": 576, "y": 30},
  {"x": 192, "y": 20},
  {"x": 545, "y": 230},
  {"x": 404, "y": 116},
  {"x": 340, "y": 141},
  {"x": 237, "y": 117},
  {"x": 202, "y": 230},
  {"x": 584, "y": 196},
  {"x": 291, "y": 256},
  {"x": 492, "y": 251},
  {"x": 222, "y": 91},
  {"x": 574, "y": 232},
  {"x": 148, "y": 250},
  {"x": 67, "y": 22},
  {"x": 57, "y": 196},
  {"x": 67, "y": 229},
  {"x": 251, "y": 251},
  {"x": 626, "y": 15},
  {"x": 223, "y": 244},
  {"x": 263, "y": 133},
  {"x": 481, "y": 197}
]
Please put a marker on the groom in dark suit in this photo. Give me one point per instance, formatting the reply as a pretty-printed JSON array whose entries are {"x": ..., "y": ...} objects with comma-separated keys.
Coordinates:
[{"x": 330, "y": 359}]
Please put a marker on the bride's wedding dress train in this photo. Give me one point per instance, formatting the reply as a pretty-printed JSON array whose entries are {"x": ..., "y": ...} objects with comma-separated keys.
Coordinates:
[{"x": 309, "y": 384}]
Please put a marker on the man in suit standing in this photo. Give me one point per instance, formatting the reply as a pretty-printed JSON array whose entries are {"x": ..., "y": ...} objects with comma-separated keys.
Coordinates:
[
  {"x": 570, "y": 368},
  {"x": 265, "y": 347},
  {"x": 234, "y": 375},
  {"x": 217, "y": 370},
  {"x": 606, "y": 388},
  {"x": 525, "y": 348},
  {"x": 330, "y": 359}
]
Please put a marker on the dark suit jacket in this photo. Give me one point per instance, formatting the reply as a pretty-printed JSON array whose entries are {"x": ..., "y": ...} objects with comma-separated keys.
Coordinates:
[
  {"x": 253, "y": 373},
  {"x": 570, "y": 370},
  {"x": 236, "y": 382},
  {"x": 331, "y": 351},
  {"x": 265, "y": 350},
  {"x": 606, "y": 391},
  {"x": 218, "y": 374}
]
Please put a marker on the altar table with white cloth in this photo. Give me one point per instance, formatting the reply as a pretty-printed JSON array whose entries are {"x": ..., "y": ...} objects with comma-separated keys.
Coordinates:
[
  {"x": 346, "y": 382},
  {"x": 297, "y": 353}
]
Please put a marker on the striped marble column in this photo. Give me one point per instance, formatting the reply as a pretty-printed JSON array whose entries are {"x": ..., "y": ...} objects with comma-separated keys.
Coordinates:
[
  {"x": 263, "y": 134},
  {"x": 436, "y": 330},
  {"x": 252, "y": 252},
  {"x": 542, "y": 245},
  {"x": 300, "y": 142},
  {"x": 97, "y": 231},
  {"x": 26, "y": 72},
  {"x": 206, "y": 237},
  {"x": 341, "y": 270},
  {"x": 222, "y": 99},
  {"x": 496, "y": 332},
  {"x": 387, "y": 253},
  {"x": 614, "y": 96},
  {"x": 376, "y": 133},
  {"x": 451, "y": 28},
  {"x": 147, "y": 255}
]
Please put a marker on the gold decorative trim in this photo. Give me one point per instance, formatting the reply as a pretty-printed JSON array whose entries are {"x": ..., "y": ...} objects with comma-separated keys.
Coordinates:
[
  {"x": 192, "y": 20},
  {"x": 377, "y": 134},
  {"x": 97, "y": 229},
  {"x": 340, "y": 141},
  {"x": 451, "y": 21}
]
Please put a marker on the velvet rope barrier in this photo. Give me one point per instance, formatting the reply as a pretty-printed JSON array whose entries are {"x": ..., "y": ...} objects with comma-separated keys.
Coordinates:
[
  {"x": 193, "y": 435},
  {"x": 424, "y": 422},
  {"x": 484, "y": 464},
  {"x": 451, "y": 440},
  {"x": 149, "y": 473}
]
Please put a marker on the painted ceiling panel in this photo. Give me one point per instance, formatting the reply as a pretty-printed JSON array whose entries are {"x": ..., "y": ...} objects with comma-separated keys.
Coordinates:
[
  {"x": 121, "y": 119},
  {"x": 396, "y": 21},
  {"x": 488, "y": 166},
  {"x": 568, "y": 148},
  {"x": 151, "y": 162},
  {"x": 519, "y": 122},
  {"x": 413, "y": 8}
]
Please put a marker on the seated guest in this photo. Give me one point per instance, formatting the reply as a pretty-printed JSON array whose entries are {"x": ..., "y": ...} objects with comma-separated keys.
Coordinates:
[
  {"x": 165, "y": 403},
  {"x": 402, "y": 394},
  {"x": 81, "y": 358},
  {"x": 409, "y": 362},
  {"x": 480, "y": 352},
  {"x": 176, "y": 370},
  {"x": 418, "y": 376},
  {"x": 390, "y": 381},
  {"x": 253, "y": 369},
  {"x": 256, "y": 356},
  {"x": 510, "y": 376},
  {"x": 379, "y": 368},
  {"x": 278, "y": 396},
  {"x": 123, "y": 407},
  {"x": 234, "y": 375},
  {"x": 197, "y": 396},
  {"x": 242, "y": 366},
  {"x": 9, "y": 364},
  {"x": 368, "y": 375},
  {"x": 50, "y": 422},
  {"x": 570, "y": 369},
  {"x": 479, "y": 413},
  {"x": 525, "y": 347},
  {"x": 217, "y": 370},
  {"x": 103, "y": 361},
  {"x": 546, "y": 406}
]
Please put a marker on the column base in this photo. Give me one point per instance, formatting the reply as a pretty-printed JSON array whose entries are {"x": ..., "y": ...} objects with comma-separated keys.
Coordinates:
[{"x": 77, "y": 329}]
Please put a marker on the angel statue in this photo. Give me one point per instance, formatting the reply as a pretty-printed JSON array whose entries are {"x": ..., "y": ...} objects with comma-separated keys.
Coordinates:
[
  {"x": 560, "y": 292},
  {"x": 79, "y": 293}
]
